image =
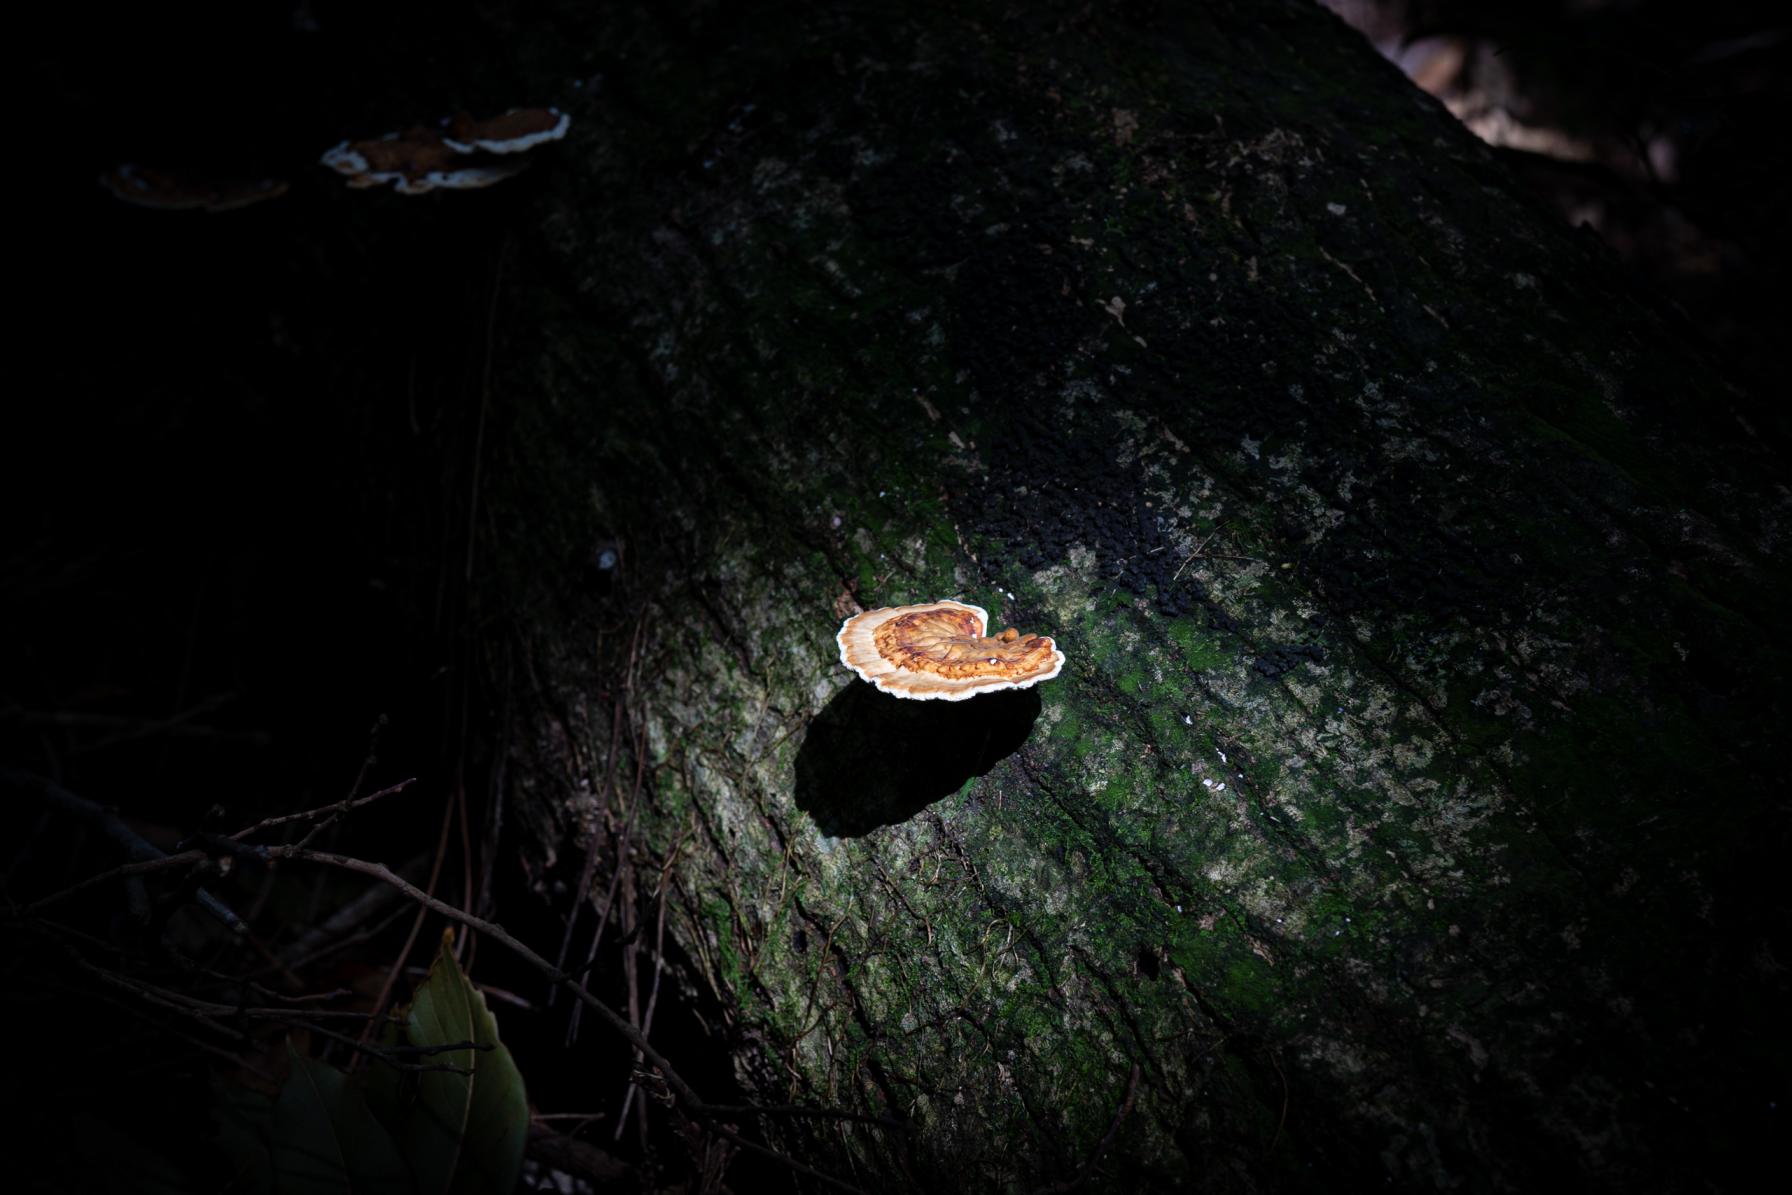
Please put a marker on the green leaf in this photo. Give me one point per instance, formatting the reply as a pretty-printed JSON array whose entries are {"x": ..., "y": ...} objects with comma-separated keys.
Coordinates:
[
  {"x": 323, "y": 1137},
  {"x": 463, "y": 1133}
]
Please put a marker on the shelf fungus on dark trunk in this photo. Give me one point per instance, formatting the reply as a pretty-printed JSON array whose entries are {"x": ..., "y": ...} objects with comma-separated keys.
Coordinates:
[
  {"x": 182, "y": 190},
  {"x": 942, "y": 651},
  {"x": 461, "y": 154}
]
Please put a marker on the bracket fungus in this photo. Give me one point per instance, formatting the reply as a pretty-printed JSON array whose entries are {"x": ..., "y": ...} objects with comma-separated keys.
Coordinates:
[
  {"x": 940, "y": 651},
  {"x": 517, "y": 131},
  {"x": 178, "y": 191},
  {"x": 461, "y": 155}
]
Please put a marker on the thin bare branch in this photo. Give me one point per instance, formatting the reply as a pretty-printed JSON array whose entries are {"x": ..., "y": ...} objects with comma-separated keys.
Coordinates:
[
  {"x": 335, "y": 809},
  {"x": 142, "y": 867},
  {"x": 435, "y": 873},
  {"x": 137, "y": 849}
]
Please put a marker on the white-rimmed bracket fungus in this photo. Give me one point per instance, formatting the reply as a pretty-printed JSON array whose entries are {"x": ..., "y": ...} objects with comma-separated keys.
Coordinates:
[
  {"x": 462, "y": 154},
  {"x": 517, "y": 131},
  {"x": 415, "y": 162},
  {"x": 941, "y": 651}
]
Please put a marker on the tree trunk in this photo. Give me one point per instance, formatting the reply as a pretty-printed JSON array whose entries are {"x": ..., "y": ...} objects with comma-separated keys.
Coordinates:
[{"x": 1401, "y": 811}]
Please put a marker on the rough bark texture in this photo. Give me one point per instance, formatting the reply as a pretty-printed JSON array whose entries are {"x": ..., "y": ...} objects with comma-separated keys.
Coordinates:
[{"x": 1403, "y": 807}]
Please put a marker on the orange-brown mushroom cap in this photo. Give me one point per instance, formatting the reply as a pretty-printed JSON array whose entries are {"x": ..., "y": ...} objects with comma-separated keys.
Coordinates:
[{"x": 941, "y": 651}]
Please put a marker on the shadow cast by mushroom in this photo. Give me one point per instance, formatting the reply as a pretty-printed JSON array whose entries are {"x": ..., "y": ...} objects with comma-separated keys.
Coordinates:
[{"x": 873, "y": 760}]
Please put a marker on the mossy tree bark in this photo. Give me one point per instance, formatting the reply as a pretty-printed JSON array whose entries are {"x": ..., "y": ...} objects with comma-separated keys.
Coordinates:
[{"x": 1401, "y": 810}]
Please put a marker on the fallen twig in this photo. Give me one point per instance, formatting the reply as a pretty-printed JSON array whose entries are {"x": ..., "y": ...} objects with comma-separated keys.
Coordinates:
[
  {"x": 435, "y": 873},
  {"x": 137, "y": 849}
]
